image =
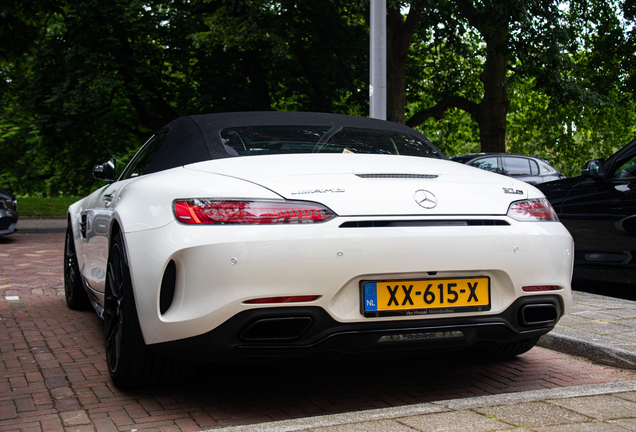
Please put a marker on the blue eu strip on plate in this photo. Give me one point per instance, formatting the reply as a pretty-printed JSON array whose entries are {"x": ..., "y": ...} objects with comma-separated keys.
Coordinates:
[{"x": 370, "y": 296}]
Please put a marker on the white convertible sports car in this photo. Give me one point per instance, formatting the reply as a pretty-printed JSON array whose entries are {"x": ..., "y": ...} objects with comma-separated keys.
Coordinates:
[{"x": 247, "y": 236}]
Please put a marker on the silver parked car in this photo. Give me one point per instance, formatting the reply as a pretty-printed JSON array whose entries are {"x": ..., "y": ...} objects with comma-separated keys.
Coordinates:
[{"x": 530, "y": 169}]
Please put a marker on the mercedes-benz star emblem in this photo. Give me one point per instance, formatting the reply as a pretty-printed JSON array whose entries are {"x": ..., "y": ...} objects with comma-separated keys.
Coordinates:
[{"x": 425, "y": 199}]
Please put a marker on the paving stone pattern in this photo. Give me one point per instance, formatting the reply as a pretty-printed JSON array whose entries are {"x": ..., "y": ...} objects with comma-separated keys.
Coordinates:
[
  {"x": 601, "y": 413},
  {"x": 53, "y": 375}
]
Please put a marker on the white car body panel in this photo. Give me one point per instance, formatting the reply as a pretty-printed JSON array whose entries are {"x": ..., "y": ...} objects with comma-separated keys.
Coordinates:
[
  {"x": 229, "y": 290},
  {"x": 333, "y": 180},
  {"x": 211, "y": 288}
]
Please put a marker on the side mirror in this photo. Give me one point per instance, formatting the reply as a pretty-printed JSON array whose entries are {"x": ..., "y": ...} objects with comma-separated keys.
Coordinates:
[
  {"x": 593, "y": 168},
  {"x": 105, "y": 170}
]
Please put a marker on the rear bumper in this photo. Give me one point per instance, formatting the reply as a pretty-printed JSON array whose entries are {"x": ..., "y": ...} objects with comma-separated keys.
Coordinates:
[
  {"x": 209, "y": 274},
  {"x": 286, "y": 332}
]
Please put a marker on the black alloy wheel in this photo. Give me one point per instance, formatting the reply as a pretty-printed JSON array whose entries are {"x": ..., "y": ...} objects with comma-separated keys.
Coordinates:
[
  {"x": 113, "y": 316},
  {"x": 130, "y": 362},
  {"x": 76, "y": 297}
]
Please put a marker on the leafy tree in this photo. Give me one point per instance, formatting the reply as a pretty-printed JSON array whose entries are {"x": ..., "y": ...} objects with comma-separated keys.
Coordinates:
[
  {"x": 567, "y": 135},
  {"x": 299, "y": 55},
  {"x": 82, "y": 79},
  {"x": 101, "y": 76},
  {"x": 559, "y": 83},
  {"x": 21, "y": 170},
  {"x": 518, "y": 39}
]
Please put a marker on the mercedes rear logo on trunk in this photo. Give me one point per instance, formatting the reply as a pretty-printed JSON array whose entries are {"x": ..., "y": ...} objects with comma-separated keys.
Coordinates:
[{"x": 425, "y": 199}]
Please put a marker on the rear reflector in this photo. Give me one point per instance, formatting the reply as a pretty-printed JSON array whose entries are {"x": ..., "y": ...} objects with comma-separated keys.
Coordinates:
[
  {"x": 214, "y": 211},
  {"x": 540, "y": 288},
  {"x": 285, "y": 299}
]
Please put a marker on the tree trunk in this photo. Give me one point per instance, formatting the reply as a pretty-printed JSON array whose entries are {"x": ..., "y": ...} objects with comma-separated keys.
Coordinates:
[
  {"x": 493, "y": 109},
  {"x": 490, "y": 113},
  {"x": 260, "y": 97}
]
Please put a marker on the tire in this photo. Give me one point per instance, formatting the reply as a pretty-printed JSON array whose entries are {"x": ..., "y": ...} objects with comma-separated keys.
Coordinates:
[
  {"x": 76, "y": 297},
  {"x": 131, "y": 363}
]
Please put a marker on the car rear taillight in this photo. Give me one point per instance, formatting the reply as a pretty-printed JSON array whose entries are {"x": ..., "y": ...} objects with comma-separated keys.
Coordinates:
[
  {"x": 216, "y": 211},
  {"x": 533, "y": 210}
]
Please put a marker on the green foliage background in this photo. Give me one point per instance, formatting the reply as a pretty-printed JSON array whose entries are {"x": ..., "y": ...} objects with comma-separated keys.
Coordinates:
[{"x": 84, "y": 79}]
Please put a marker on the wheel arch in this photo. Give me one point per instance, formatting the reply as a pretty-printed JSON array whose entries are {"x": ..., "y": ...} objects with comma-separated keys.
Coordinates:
[{"x": 115, "y": 230}]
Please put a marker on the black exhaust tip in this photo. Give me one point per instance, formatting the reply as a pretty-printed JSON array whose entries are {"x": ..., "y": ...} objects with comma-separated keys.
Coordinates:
[{"x": 538, "y": 314}]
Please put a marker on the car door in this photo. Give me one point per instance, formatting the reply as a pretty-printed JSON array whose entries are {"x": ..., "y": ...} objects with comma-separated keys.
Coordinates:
[
  {"x": 600, "y": 213},
  {"x": 96, "y": 218},
  {"x": 94, "y": 225}
]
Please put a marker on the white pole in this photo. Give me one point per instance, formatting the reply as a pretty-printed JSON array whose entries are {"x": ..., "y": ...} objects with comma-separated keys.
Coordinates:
[{"x": 377, "y": 56}]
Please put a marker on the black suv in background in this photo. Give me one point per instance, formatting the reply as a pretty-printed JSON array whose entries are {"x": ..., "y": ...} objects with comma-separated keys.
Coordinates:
[{"x": 599, "y": 209}]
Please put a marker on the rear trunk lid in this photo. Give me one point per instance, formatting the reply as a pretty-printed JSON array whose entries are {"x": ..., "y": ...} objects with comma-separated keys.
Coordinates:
[{"x": 376, "y": 185}]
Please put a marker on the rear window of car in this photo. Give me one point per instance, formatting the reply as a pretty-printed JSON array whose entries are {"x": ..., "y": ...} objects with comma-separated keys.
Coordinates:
[
  {"x": 488, "y": 163},
  {"x": 521, "y": 166},
  {"x": 546, "y": 168},
  {"x": 261, "y": 140}
]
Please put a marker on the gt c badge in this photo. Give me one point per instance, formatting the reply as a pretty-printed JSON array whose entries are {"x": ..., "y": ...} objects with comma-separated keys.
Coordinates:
[
  {"x": 512, "y": 191},
  {"x": 425, "y": 199}
]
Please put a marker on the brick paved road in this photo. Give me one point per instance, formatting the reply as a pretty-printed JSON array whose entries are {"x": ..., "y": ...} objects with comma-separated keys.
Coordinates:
[{"x": 53, "y": 375}]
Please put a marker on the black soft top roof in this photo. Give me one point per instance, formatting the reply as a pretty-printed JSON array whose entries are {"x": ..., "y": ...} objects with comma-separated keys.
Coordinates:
[{"x": 197, "y": 138}]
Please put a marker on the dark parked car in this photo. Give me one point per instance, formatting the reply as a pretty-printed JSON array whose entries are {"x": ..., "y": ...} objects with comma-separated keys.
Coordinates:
[
  {"x": 8, "y": 212},
  {"x": 529, "y": 169},
  {"x": 599, "y": 209}
]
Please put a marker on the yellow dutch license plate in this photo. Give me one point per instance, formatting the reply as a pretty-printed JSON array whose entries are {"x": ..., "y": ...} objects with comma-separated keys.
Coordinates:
[{"x": 425, "y": 296}]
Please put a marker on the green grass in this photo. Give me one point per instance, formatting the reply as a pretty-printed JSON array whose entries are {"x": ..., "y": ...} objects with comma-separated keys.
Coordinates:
[{"x": 44, "y": 207}]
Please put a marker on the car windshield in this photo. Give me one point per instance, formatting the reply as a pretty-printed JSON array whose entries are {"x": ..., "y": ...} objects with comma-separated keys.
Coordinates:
[{"x": 261, "y": 140}]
